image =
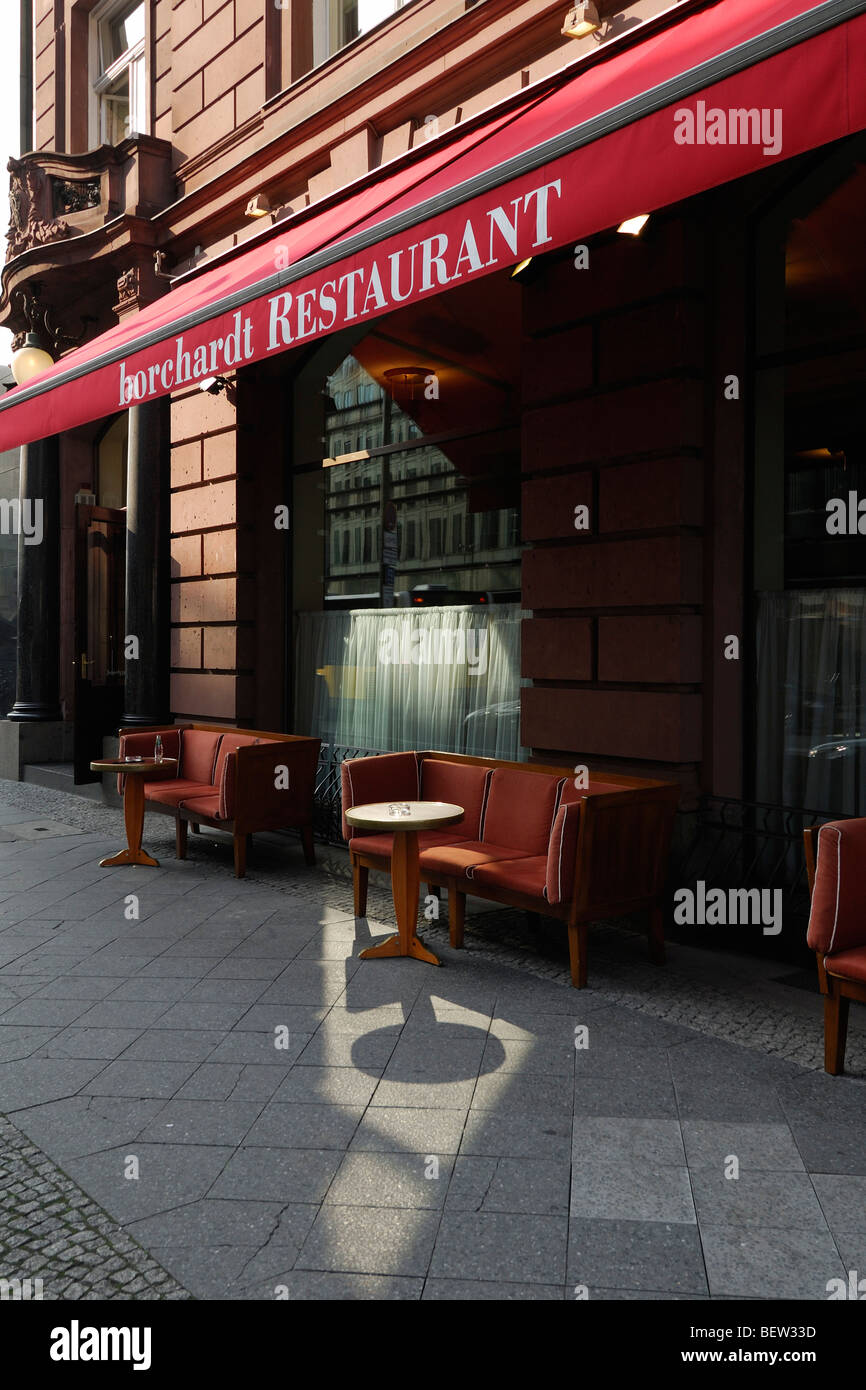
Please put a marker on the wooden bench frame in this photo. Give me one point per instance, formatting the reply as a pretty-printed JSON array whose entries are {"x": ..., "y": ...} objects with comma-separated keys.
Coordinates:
[
  {"x": 653, "y": 805},
  {"x": 249, "y": 817}
]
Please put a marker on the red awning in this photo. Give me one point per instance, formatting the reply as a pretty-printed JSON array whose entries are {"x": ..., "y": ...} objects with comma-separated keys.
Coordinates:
[{"x": 726, "y": 91}]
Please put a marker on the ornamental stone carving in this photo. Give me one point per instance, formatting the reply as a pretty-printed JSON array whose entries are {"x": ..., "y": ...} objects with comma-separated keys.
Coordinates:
[
  {"x": 128, "y": 288},
  {"x": 31, "y": 216}
]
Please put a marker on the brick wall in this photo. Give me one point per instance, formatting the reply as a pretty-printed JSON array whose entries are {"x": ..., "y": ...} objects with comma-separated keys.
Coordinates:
[
  {"x": 47, "y": 78},
  {"x": 216, "y": 75},
  {"x": 614, "y": 420},
  {"x": 161, "y": 83},
  {"x": 206, "y": 590}
]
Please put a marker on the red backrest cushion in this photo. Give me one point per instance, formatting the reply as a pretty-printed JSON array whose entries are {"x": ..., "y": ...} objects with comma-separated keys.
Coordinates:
[
  {"x": 142, "y": 745},
  {"x": 229, "y": 743},
  {"x": 519, "y": 810},
  {"x": 559, "y": 876},
  {"x": 462, "y": 783},
  {"x": 838, "y": 918},
  {"x": 226, "y": 776},
  {"x": 198, "y": 752},
  {"x": 385, "y": 777}
]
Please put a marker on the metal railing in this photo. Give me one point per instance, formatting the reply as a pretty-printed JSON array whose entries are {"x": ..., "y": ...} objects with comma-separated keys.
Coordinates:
[
  {"x": 746, "y": 844},
  {"x": 327, "y": 807}
]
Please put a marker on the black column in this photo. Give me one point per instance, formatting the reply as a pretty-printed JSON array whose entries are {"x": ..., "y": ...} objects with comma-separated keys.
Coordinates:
[
  {"x": 37, "y": 691},
  {"x": 146, "y": 694}
]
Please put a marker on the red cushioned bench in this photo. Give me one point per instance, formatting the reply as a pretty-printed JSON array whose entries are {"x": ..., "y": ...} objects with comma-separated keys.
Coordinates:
[
  {"x": 232, "y": 779},
  {"x": 529, "y": 838}
]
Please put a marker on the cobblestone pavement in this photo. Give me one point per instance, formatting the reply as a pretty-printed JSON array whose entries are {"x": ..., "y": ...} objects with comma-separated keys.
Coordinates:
[
  {"x": 268, "y": 1116},
  {"x": 55, "y": 1238}
]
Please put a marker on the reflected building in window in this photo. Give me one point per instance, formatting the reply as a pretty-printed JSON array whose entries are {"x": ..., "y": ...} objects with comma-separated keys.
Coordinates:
[{"x": 443, "y": 542}]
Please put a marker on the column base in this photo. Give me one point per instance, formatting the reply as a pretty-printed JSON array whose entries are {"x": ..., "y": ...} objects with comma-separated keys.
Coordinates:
[
  {"x": 144, "y": 721},
  {"x": 35, "y": 712},
  {"x": 24, "y": 741}
]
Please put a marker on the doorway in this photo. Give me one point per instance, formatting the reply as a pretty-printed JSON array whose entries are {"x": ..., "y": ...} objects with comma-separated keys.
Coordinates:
[{"x": 100, "y": 593}]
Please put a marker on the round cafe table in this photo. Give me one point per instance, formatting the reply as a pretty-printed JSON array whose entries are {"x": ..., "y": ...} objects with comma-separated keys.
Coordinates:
[
  {"x": 136, "y": 773},
  {"x": 405, "y": 874}
]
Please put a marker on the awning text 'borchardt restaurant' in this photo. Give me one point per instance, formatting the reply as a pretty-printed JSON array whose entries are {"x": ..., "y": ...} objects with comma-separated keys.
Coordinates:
[
  {"x": 601, "y": 143},
  {"x": 374, "y": 285}
]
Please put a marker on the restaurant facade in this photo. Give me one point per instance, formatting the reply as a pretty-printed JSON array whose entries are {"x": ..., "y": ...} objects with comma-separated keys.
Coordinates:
[{"x": 481, "y": 377}]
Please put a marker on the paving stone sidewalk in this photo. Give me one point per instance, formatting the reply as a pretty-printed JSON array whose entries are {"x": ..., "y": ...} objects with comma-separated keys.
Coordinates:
[{"x": 306, "y": 1125}]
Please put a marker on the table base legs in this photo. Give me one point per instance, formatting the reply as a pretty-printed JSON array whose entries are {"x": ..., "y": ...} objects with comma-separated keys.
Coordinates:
[
  {"x": 128, "y": 856},
  {"x": 393, "y": 946},
  {"x": 405, "y": 886},
  {"x": 133, "y": 817}
]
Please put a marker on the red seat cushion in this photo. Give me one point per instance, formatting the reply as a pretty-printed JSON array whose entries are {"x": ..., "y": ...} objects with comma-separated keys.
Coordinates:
[
  {"x": 455, "y": 860},
  {"x": 514, "y": 875},
  {"x": 837, "y": 923},
  {"x": 385, "y": 777},
  {"x": 464, "y": 784},
  {"x": 174, "y": 791},
  {"x": 382, "y": 845},
  {"x": 848, "y": 965},
  {"x": 519, "y": 810},
  {"x": 207, "y": 806},
  {"x": 198, "y": 754}
]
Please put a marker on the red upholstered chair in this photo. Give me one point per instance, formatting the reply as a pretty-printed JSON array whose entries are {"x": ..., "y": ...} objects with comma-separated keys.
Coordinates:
[{"x": 836, "y": 863}]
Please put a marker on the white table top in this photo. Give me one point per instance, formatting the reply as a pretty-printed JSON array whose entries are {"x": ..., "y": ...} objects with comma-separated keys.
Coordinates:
[{"x": 423, "y": 815}]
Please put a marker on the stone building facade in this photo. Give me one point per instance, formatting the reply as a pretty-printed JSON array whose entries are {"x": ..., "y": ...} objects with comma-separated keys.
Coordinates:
[{"x": 611, "y": 379}]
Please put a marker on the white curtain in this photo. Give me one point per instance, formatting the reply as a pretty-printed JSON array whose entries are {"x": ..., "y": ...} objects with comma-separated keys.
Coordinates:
[
  {"x": 398, "y": 678},
  {"x": 811, "y": 699}
]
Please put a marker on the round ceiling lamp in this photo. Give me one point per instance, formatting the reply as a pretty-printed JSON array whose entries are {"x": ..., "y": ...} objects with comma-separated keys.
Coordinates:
[
  {"x": 30, "y": 360},
  {"x": 407, "y": 383}
]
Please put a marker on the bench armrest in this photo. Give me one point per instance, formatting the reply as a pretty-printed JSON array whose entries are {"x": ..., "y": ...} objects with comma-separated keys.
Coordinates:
[
  {"x": 623, "y": 847},
  {"x": 269, "y": 784},
  {"x": 837, "y": 921}
]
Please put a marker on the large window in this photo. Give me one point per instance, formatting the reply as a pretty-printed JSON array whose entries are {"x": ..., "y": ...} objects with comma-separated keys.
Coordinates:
[
  {"x": 443, "y": 543},
  {"x": 426, "y": 653},
  {"x": 406, "y": 551},
  {"x": 338, "y": 22},
  {"x": 810, "y": 552},
  {"x": 119, "y": 71},
  {"x": 410, "y": 634}
]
